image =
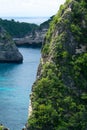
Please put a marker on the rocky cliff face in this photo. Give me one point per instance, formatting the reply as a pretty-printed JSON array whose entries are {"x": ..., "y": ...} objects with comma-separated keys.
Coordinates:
[
  {"x": 59, "y": 94},
  {"x": 25, "y": 34},
  {"x": 8, "y": 50},
  {"x": 34, "y": 39}
]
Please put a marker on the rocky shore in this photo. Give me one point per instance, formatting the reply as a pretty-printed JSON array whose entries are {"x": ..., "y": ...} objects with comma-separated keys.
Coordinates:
[{"x": 33, "y": 39}]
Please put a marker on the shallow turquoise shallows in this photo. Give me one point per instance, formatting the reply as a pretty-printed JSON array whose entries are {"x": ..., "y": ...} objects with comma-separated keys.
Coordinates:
[{"x": 15, "y": 86}]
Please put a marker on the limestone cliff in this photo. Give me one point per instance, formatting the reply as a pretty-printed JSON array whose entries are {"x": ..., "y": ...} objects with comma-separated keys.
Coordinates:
[
  {"x": 33, "y": 39},
  {"x": 59, "y": 95},
  {"x": 8, "y": 50},
  {"x": 25, "y": 34},
  {"x": 36, "y": 37}
]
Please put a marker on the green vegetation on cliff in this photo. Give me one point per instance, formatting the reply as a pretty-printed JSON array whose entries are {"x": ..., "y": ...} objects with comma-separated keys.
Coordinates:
[
  {"x": 59, "y": 95},
  {"x": 9, "y": 53},
  {"x": 21, "y": 29},
  {"x": 1, "y": 127},
  {"x": 45, "y": 24},
  {"x": 17, "y": 29}
]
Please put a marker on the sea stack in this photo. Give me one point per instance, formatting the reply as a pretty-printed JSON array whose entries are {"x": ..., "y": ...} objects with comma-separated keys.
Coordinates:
[{"x": 9, "y": 53}]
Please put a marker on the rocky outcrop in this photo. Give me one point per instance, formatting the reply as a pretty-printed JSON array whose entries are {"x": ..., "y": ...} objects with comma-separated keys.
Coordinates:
[
  {"x": 3, "y": 127},
  {"x": 34, "y": 39},
  {"x": 26, "y": 34},
  {"x": 8, "y": 51},
  {"x": 59, "y": 95}
]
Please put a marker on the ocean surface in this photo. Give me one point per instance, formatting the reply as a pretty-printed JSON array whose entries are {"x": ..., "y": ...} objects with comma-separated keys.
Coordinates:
[
  {"x": 15, "y": 86},
  {"x": 36, "y": 20}
]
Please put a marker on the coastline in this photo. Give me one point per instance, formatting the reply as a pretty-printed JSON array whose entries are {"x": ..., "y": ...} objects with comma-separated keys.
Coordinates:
[
  {"x": 29, "y": 109},
  {"x": 36, "y": 20}
]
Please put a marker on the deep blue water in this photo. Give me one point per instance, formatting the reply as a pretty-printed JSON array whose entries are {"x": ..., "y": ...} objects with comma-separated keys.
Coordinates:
[{"x": 15, "y": 86}]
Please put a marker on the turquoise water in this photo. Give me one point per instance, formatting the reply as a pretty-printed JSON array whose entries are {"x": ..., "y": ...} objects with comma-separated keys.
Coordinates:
[{"x": 15, "y": 86}]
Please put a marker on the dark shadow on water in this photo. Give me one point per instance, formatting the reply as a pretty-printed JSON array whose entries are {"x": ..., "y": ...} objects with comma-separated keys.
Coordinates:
[{"x": 27, "y": 45}]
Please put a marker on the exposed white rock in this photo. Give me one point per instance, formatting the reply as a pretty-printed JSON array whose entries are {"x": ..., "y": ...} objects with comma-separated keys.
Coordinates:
[
  {"x": 29, "y": 110},
  {"x": 81, "y": 49},
  {"x": 37, "y": 37}
]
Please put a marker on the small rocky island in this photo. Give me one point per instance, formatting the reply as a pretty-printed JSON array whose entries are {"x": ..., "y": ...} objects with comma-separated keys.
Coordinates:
[{"x": 9, "y": 53}]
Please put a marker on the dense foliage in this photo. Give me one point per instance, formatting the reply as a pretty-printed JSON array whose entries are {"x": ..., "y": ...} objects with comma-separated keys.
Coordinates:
[
  {"x": 17, "y": 29},
  {"x": 21, "y": 29},
  {"x": 59, "y": 96},
  {"x": 46, "y": 23}
]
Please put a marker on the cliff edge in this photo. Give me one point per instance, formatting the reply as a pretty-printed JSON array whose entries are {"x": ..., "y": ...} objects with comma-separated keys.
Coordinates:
[{"x": 59, "y": 95}]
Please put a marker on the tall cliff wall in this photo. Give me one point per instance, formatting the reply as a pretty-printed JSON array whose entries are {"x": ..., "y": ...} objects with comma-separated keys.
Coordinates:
[{"x": 59, "y": 95}]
